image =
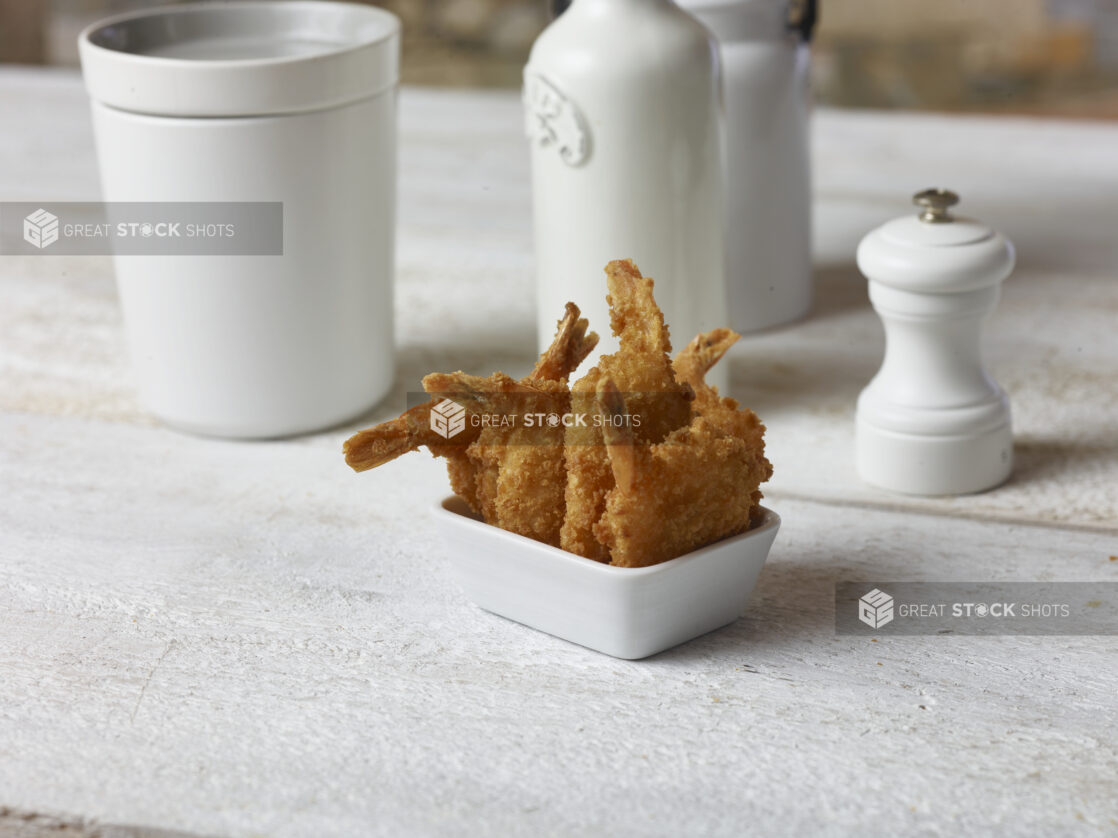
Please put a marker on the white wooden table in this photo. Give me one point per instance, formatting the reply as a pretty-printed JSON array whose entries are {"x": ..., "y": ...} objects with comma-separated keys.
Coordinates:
[{"x": 247, "y": 639}]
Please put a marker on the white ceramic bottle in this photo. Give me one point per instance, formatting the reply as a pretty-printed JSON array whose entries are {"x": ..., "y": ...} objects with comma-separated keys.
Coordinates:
[
  {"x": 621, "y": 101},
  {"x": 932, "y": 421},
  {"x": 763, "y": 45}
]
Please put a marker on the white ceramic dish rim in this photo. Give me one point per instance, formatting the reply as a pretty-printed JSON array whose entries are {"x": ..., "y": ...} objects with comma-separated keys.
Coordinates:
[{"x": 771, "y": 519}]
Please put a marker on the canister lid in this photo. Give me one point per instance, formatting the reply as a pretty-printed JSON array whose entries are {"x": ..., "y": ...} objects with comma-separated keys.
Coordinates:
[{"x": 240, "y": 58}]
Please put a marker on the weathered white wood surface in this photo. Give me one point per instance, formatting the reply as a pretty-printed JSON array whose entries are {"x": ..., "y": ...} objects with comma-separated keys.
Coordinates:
[{"x": 247, "y": 639}]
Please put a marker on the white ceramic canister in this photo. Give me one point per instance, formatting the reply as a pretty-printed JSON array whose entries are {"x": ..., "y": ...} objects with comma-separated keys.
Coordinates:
[
  {"x": 621, "y": 100},
  {"x": 765, "y": 61},
  {"x": 290, "y": 102}
]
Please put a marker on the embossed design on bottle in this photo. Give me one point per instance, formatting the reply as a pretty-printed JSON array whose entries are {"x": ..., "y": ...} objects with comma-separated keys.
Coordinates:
[{"x": 553, "y": 119}]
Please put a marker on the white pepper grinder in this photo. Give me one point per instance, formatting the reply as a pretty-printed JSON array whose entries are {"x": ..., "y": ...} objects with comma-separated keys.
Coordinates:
[
  {"x": 932, "y": 421},
  {"x": 622, "y": 111}
]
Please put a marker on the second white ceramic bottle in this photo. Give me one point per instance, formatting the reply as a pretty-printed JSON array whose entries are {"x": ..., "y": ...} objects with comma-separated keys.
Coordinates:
[
  {"x": 622, "y": 111},
  {"x": 765, "y": 55}
]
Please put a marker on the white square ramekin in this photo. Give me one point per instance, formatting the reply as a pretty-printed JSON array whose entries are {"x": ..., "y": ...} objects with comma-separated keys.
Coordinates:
[{"x": 625, "y": 612}]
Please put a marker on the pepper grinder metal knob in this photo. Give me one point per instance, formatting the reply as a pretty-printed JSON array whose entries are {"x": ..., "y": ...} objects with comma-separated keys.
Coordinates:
[
  {"x": 932, "y": 421},
  {"x": 935, "y": 203}
]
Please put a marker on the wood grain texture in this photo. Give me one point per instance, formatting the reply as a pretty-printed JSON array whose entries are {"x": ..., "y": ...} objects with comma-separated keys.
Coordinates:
[
  {"x": 18, "y": 823},
  {"x": 247, "y": 639}
]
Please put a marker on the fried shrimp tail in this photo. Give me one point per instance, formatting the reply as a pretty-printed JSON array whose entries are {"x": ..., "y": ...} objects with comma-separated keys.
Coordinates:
[
  {"x": 695, "y": 360},
  {"x": 571, "y": 346},
  {"x": 376, "y": 446}
]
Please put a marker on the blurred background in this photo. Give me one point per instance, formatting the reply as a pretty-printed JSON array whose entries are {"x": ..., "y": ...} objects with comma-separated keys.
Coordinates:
[{"x": 1038, "y": 57}]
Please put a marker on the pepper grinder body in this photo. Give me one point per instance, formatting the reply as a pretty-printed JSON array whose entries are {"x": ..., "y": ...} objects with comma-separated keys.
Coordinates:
[
  {"x": 932, "y": 421},
  {"x": 622, "y": 113}
]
